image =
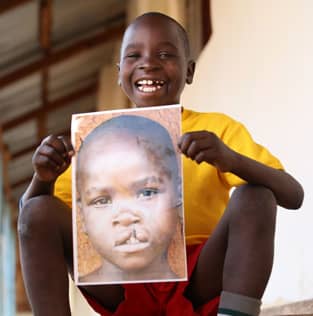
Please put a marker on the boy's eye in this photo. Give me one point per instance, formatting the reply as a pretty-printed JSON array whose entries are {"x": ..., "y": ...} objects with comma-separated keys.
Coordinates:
[
  {"x": 147, "y": 193},
  {"x": 165, "y": 55},
  {"x": 132, "y": 55},
  {"x": 101, "y": 201}
]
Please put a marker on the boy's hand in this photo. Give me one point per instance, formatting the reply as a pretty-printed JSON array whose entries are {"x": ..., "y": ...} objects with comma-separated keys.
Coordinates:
[
  {"x": 52, "y": 157},
  {"x": 206, "y": 146}
]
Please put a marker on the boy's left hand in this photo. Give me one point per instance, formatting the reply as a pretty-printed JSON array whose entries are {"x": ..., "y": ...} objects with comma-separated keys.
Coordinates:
[{"x": 206, "y": 146}]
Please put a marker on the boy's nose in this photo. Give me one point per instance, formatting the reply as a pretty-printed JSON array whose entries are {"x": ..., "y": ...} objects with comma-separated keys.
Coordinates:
[{"x": 148, "y": 63}]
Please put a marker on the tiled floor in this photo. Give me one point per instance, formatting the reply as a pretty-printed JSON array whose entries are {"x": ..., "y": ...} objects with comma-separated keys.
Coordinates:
[
  {"x": 304, "y": 308},
  {"x": 297, "y": 308}
]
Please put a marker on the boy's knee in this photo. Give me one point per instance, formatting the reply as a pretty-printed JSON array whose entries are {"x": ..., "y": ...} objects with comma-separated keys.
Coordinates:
[
  {"x": 37, "y": 215},
  {"x": 255, "y": 196},
  {"x": 255, "y": 206}
]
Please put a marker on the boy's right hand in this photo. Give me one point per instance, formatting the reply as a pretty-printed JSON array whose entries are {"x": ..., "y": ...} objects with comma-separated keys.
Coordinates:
[{"x": 52, "y": 157}]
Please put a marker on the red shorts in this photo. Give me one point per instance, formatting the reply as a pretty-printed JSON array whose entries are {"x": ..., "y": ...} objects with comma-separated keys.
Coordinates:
[{"x": 160, "y": 299}]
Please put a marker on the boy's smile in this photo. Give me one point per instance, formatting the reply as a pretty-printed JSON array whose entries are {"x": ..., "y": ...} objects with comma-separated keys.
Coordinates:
[
  {"x": 154, "y": 66},
  {"x": 149, "y": 85}
]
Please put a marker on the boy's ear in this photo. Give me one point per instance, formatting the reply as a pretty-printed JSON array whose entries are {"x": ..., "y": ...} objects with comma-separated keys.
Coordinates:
[
  {"x": 190, "y": 71},
  {"x": 118, "y": 69}
]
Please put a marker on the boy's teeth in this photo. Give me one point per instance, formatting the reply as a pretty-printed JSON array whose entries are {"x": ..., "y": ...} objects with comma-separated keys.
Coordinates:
[
  {"x": 150, "y": 82},
  {"x": 149, "y": 89},
  {"x": 148, "y": 85}
]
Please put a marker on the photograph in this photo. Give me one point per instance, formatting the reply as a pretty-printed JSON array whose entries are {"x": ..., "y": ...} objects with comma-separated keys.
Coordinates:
[{"x": 128, "y": 223}]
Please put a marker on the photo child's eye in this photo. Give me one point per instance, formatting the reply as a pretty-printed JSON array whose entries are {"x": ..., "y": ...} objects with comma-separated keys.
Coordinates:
[
  {"x": 101, "y": 201},
  {"x": 147, "y": 193}
]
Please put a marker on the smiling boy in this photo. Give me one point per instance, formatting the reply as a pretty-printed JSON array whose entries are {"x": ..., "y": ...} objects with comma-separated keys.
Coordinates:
[
  {"x": 229, "y": 240},
  {"x": 159, "y": 85}
]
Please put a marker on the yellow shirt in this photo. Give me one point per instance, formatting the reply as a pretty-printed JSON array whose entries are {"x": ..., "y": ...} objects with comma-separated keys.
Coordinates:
[{"x": 206, "y": 190}]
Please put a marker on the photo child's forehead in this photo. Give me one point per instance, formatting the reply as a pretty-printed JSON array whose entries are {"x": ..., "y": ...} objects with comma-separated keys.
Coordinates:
[
  {"x": 134, "y": 133},
  {"x": 130, "y": 126},
  {"x": 148, "y": 144}
]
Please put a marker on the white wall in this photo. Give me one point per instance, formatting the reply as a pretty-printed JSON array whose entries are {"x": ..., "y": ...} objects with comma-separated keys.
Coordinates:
[{"x": 258, "y": 67}]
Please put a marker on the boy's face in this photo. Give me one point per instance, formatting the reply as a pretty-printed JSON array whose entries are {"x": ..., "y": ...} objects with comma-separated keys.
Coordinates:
[
  {"x": 154, "y": 67},
  {"x": 128, "y": 205}
]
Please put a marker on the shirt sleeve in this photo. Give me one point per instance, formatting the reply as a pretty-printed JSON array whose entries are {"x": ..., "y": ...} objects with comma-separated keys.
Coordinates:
[
  {"x": 238, "y": 138},
  {"x": 63, "y": 187}
]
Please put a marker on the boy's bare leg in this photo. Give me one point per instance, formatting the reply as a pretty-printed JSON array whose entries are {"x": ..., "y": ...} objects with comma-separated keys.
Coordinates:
[
  {"x": 238, "y": 257},
  {"x": 45, "y": 236}
]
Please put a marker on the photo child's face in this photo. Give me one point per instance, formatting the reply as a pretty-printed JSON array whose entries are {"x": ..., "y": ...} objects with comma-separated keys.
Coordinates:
[
  {"x": 128, "y": 205},
  {"x": 154, "y": 67}
]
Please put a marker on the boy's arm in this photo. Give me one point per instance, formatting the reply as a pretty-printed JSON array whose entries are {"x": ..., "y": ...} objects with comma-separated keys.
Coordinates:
[
  {"x": 36, "y": 188},
  {"x": 51, "y": 158},
  {"x": 204, "y": 146},
  {"x": 288, "y": 192}
]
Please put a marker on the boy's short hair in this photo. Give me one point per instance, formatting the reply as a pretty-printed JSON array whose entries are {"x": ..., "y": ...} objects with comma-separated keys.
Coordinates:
[{"x": 181, "y": 30}]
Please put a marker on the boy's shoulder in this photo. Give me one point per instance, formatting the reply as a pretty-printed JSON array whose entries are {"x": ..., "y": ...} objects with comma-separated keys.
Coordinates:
[{"x": 207, "y": 119}]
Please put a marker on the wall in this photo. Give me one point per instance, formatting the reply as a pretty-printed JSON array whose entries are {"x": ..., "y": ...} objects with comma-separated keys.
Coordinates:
[
  {"x": 258, "y": 68},
  {"x": 7, "y": 240}
]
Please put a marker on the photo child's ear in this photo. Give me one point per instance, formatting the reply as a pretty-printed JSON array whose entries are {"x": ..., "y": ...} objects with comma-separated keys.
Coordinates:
[{"x": 190, "y": 71}]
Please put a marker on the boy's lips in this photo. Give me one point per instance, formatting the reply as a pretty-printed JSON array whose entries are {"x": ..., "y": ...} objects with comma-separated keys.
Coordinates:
[{"x": 149, "y": 85}]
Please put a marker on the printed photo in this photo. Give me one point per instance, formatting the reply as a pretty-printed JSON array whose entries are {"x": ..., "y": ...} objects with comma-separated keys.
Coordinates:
[{"x": 128, "y": 214}]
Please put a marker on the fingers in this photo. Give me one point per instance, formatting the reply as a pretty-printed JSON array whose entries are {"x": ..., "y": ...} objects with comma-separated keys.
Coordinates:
[
  {"x": 194, "y": 145},
  {"x": 206, "y": 146},
  {"x": 61, "y": 144},
  {"x": 57, "y": 148},
  {"x": 200, "y": 157},
  {"x": 53, "y": 156},
  {"x": 67, "y": 145}
]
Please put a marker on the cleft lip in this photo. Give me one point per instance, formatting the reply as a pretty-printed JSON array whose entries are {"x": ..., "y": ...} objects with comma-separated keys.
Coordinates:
[
  {"x": 128, "y": 237},
  {"x": 123, "y": 237}
]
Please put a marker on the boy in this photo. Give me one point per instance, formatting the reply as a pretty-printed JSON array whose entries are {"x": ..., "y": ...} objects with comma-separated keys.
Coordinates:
[
  {"x": 229, "y": 242},
  {"x": 131, "y": 207}
]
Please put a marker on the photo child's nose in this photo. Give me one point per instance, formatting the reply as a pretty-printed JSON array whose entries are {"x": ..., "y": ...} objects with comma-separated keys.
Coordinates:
[{"x": 125, "y": 216}]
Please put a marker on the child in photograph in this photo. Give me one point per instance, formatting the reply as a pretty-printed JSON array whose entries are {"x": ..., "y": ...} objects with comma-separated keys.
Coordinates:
[
  {"x": 131, "y": 208},
  {"x": 230, "y": 239}
]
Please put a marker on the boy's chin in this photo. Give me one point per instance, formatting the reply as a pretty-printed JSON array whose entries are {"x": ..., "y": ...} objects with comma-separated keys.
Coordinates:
[
  {"x": 152, "y": 104},
  {"x": 141, "y": 100}
]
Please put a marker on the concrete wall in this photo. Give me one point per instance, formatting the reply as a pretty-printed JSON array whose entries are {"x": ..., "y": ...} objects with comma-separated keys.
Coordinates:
[{"x": 258, "y": 68}]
